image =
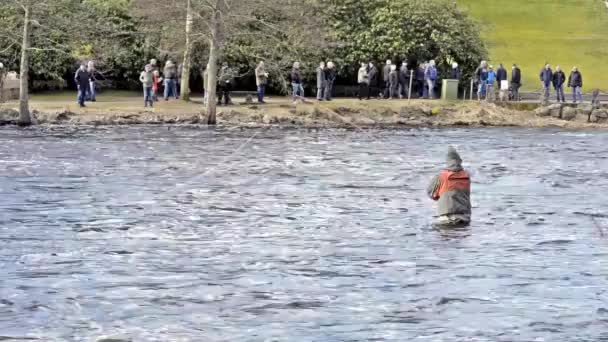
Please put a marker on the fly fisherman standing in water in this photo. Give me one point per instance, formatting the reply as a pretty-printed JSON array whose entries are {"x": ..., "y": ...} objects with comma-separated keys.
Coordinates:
[{"x": 452, "y": 191}]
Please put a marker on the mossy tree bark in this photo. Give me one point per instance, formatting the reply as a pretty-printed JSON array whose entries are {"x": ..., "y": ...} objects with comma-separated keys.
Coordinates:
[
  {"x": 187, "y": 62},
  {"x": 25, "y": 118},
  {"x": 215, "y": 45}
]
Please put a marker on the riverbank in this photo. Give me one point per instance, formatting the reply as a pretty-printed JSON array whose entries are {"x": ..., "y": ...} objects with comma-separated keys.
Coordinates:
[{"x": 128, "y": 110}]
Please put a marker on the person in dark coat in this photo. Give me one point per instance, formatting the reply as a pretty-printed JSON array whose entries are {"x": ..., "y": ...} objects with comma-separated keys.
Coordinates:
[
  {"x": 296, "y": 83},
  {"x": 420, "y": 80},
  {"x": 82, "y": 79},
  {"x": 575, "y": 81},
  {"x": 546, "y": 78},
  {"x": 372, "y": 76},
  {"x": 393, "y": 81},
  {"x": 225, "y": 81},
  {"x": 330, "y": 78},
  {"x": 559, "y": 78},
  {"x": 515, "y": 81},
  {"x": 501, "y": 75},
  {"x": 404, "y": 80},
  {"x": 321, "y": 82}
]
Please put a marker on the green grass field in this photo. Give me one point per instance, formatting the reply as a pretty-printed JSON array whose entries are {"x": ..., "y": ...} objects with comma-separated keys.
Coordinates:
[{"x": 561, "y": 32}]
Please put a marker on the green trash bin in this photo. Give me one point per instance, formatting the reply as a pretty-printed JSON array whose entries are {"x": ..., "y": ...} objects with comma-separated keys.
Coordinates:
[{"x": 449, "y": 90}]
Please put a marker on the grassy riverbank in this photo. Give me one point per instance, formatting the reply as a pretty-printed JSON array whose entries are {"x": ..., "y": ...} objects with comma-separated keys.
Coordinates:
[
  {"x": 532, "y": 32},
  {"x": 127, "y": 108}
]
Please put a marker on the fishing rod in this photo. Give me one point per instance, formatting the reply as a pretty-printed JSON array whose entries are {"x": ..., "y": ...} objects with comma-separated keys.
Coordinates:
[{"x": 597, "y": 225}]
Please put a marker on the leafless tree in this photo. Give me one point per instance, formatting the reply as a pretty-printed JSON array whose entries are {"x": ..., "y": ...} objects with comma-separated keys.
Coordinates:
[
  {"x": 265, "y": 25},
  {"x": 259, "y": 29},
  {"x": 187, "y": 61},
  {"x": 36, "y": 25}
]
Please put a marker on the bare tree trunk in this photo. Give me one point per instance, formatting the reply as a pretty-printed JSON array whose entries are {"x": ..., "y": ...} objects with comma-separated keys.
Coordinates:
[
  {"x": 187, "y": 62},
  {"x": 214, "y": 50},
  {"x": 2, "y": 76},
  {"x": 25, "y": 118},
  {"x": 211, "y": 85}
]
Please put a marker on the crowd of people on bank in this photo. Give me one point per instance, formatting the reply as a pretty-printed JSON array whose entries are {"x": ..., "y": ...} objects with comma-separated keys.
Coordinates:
[
  {"x": 486, "y": 77},
  {"x": 396, "y": 81},
  {"x": 86, "y": 80},
  {"x": 557, "y": 79},
  {"x": 152, "y": 78},
  {"x": 390, "y": 81}
]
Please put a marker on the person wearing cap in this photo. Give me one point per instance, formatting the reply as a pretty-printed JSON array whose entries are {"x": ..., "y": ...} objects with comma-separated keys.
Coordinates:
[
  {"x": 386, "y": 71},
  {"x": 575, "y": 81},
  {"x": 330, "y": 78},
  {"x": 154, "y": 64},
  {"x": 363, "y": 81},
  {"x": 451, "y": 189}
]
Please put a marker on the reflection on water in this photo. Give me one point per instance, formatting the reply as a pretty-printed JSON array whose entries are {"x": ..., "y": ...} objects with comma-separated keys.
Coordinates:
[
  {"x": 153, "y": 234},
  {"x": 453, "y": 232}
]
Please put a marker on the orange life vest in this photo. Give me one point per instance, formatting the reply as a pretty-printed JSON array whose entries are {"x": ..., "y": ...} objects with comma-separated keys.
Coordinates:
[{"x": 452, "y": 181}]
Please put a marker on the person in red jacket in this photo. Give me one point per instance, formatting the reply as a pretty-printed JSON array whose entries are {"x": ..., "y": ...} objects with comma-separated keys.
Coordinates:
[
  {"x": 452, "y": 191},
  {"x": 157, "y": 79}
]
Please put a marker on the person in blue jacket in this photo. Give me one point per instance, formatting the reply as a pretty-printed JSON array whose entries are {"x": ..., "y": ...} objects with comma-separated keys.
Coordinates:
[
  {"x": 481, "y": 77},
  {"x": 430, "y": 76},
  {"x": 490, "y": 84}
]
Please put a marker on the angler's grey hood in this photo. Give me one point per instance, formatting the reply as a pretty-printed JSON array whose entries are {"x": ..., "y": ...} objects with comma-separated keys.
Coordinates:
[{"x": 453, "y": 160}]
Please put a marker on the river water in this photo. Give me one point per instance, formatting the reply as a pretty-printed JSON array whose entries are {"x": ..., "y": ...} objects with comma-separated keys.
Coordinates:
[{"x": 189, "y": 234}]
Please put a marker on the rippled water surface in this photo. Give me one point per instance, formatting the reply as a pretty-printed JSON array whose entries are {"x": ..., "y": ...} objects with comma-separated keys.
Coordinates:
[{"x": 188, "y": 234}]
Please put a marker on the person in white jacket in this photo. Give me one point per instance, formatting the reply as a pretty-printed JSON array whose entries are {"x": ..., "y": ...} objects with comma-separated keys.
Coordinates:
[{"x": 363, "y": 81}]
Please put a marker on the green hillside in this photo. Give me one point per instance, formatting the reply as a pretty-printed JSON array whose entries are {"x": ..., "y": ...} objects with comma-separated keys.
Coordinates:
[{"x": 562, "y": 32}]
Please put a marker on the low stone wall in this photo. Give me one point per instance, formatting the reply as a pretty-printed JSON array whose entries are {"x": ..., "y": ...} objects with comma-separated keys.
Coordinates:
[
  {"x": 588, "y": 112},
  {"x": 10, "y": 87}
]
